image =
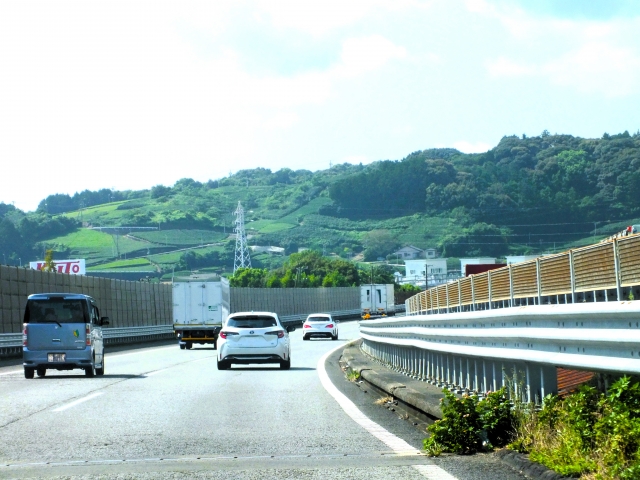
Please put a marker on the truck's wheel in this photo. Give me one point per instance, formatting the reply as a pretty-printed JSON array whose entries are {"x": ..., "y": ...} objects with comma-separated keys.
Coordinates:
[
  {"x": 182, "y": 346},
  {"x": 188, "y": 345},
  {"x": 215, "y": 345},
  {"x": 28, "y": 372}
]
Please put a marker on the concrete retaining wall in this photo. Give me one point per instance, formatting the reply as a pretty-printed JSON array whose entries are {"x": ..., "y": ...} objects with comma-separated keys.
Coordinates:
[
  {"x": 127, "y": 304},
  {"x": 295, "y": 301}
]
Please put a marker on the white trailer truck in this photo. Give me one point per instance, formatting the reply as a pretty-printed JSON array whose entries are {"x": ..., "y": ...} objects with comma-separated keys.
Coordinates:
[
  {"x": 199, "y": 310},
  {"x": 376, "y": 300}
]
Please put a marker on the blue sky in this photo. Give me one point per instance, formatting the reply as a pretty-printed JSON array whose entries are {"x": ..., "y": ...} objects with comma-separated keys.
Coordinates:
[{"x": 132, "y": 94}]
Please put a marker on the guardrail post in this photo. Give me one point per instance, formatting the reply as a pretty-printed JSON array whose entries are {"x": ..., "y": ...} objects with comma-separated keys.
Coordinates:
[
  {"x": 490, "y": 295},
  {"x": 510, "y": 285},
  {"x": 468, "y": 382},
  {"x": 573, "y": 277},
  {"x": 484, "y": 377},
  {"x": 616, "y": 264},
  {"x": 494, "y": 379},
  {"x": 473, "y": 295},
  {"x": 538, "y": 277}
]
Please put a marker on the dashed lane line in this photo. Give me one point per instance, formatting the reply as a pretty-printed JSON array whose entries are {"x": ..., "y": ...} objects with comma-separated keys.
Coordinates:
[
  {"x": 398, "y": 445},
  {"x": 77, "y": 402}
]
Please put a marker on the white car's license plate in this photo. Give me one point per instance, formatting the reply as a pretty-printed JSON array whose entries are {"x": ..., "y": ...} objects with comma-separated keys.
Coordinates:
[{"x": 57, "y": 357}]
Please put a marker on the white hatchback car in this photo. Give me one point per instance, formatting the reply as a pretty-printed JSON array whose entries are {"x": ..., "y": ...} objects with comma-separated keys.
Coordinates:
[
  {"x": 320, "y": 325},
  {"x": 254, "y": 337}
]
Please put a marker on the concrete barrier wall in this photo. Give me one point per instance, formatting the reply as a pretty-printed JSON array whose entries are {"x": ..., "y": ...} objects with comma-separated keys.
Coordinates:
[
  {"x": 126, "y": 303},
  {"x": 295, "y": 301}
]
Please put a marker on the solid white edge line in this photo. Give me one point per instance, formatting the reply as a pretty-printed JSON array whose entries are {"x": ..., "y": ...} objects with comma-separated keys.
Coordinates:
[
  {"x": 77, "y": 402},
  {"x": 395, "y": 443}
]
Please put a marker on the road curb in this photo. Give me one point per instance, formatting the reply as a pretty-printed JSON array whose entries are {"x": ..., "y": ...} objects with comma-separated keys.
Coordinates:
[{"x": 425, "y": 398}]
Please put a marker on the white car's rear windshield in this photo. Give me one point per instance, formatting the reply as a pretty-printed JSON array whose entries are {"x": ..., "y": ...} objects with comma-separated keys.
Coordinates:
[
  {"x": 318, "y": 319},
  {"x": 253, "y": 321}
]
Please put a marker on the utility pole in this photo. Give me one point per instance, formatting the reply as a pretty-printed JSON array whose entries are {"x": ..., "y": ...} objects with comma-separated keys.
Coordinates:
[{"x": 242, "y": 259}]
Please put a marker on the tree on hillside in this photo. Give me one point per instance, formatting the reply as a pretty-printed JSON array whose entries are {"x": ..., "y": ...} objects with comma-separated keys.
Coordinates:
[
  {"x": 248, "y": 277},
  {"x": 379, "y": 243}
]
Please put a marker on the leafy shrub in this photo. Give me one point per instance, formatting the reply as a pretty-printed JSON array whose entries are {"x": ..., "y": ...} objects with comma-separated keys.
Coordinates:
[
  {"x": 587, "y": 432},
  {"x": 469, "y": 425}
]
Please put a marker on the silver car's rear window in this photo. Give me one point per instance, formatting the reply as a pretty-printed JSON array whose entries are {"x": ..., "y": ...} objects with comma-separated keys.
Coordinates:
[
  {"x": 56, "y": 309},
  {"x": 252, "y": 321}
]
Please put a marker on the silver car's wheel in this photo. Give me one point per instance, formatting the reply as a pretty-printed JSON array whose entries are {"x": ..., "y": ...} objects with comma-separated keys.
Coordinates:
[
  {"x": 28, "y": 372},
  {"x": 100, "y": 371},
  {"x": 41, "y": 372},
  {"x": 91, "y": 371}
]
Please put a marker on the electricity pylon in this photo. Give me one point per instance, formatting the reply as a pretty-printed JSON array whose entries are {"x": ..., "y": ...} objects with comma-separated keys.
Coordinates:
[{"x": 242, "y": 258}]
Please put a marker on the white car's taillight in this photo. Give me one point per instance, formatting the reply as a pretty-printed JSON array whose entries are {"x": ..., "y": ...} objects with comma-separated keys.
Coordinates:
[
  {"x": 280, "y": 333},
  {"x": 226, "y": 335},
  {"x": 330, "y": 325},
  {"x": 306, "y": 325}
]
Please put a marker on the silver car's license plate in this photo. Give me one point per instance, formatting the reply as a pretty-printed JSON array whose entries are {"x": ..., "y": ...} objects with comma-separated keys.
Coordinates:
[{"x": 56, "y": 357}]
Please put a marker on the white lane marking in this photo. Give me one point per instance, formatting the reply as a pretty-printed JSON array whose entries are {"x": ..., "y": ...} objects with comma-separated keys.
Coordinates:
[
  {"x": 79, "y": 401},
  {"x": 395, "y": 443},
  {"x": 12, "y": 372}
]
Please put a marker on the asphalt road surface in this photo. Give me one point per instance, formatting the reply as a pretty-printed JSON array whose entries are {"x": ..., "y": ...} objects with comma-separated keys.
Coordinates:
[{"x": 162, "y": 412}]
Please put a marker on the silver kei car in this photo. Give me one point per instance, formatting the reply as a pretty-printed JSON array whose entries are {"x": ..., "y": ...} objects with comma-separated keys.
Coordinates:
[
  {"x": 254, "y": 337},
  {"x": 320, "y": 325}
]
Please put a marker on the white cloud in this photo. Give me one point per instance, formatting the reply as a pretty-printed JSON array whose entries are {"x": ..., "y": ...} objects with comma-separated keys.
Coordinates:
[
  {"x": 319, "y": 17},
  {"x": 468, "y": 147},
  {"x": 597, "y": 67},
  {"x": 365, "y": 54},
  {"x": 503, "y": 67}
]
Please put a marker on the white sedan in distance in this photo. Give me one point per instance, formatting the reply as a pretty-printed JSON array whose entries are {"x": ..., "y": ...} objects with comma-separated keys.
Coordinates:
[
  {"x": 320, "y": 325},
  {"x": 254, "y": 337}
]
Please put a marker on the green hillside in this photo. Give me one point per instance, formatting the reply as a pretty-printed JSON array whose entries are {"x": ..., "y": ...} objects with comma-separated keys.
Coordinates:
[{"x": 525, "y": 196}]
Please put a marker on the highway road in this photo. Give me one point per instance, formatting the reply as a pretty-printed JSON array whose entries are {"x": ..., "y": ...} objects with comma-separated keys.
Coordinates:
[{"x": 162, "y": 412}]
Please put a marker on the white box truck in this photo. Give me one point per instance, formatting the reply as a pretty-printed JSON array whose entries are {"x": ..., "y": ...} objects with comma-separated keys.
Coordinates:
[
  {"x": 199, "y": 310},
  {"x": 376, "y": 300}
]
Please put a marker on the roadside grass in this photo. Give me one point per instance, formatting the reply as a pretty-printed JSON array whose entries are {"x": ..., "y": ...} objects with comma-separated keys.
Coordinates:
[{"x": 353, "y": 376}]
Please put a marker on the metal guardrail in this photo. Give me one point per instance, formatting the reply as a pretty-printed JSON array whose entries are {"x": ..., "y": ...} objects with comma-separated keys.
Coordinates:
[
  {"x": 597, "y": 273},
  {"x": 479, "y": 351},
  {"x": 11, "y": 343}
]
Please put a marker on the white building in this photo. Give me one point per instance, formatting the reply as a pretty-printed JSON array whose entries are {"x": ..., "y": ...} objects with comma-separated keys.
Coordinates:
[
  {"x": 475, "y": 261},
  {"x": 434, "y": 271}
]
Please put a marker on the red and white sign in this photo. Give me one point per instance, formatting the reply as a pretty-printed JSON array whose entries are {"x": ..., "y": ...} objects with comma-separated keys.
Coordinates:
[{"x": 72, "y": 267}]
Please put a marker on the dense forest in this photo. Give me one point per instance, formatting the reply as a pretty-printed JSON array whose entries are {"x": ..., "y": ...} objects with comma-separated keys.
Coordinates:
[
  {"x": 526, "y": 195},
  {"x": 556, "y": 181}
]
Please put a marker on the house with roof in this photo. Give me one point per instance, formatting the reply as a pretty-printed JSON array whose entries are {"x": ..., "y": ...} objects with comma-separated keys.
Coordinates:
[{"x": 409, "y": 252}]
